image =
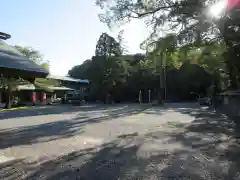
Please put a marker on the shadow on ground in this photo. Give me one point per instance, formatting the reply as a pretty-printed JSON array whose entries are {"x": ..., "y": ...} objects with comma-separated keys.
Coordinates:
[
  {"x": 114, "y": 161},
  {"x": 61, "y": 129},
  {"x": 107, "y": 162},
  {"x": 51, "y": 109},
  {"x": 206, "y": 149}
]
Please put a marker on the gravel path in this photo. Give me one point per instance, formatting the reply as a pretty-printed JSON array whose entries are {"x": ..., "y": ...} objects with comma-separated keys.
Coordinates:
[{"x": 179, "y": 141}]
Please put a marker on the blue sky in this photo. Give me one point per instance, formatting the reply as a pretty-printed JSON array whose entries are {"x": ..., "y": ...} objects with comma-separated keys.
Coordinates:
[{"x": 64, "y": 31}]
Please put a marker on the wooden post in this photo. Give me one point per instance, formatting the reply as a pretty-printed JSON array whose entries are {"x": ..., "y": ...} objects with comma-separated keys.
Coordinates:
[
  {"x": 44, "y": 98},
  {"x": 33, "y": 96},
  {"x": 149, "y": 96},
  {"x": 140, "y": 97}
]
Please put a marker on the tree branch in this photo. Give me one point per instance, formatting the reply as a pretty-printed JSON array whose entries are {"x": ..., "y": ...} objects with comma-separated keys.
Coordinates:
[{"x": 139, "y": 15}]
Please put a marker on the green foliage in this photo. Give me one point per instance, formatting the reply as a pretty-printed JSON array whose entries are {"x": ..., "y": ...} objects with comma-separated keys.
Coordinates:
[
  {"x": 107, "y": 46},
  {"x": 106, "y": 70},
  {"x": 46, "y": 66},
  {"x": 33, "y": 55},
  {"x": 190, "y": 21},
  {"x": 187, "y": 69},
  {"x": 30, "y": 53},
  {"x": 36, "y": 56}
]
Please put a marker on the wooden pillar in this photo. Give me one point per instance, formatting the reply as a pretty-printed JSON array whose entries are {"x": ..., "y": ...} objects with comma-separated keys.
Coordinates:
[
  {"x": 64, "y": 98},
  {"x": 34, "y": 98},
  {"x": 44, "y": 98}
]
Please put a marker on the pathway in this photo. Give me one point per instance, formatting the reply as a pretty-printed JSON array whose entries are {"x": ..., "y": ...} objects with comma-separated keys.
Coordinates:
[{"x": 181, "y": 141}]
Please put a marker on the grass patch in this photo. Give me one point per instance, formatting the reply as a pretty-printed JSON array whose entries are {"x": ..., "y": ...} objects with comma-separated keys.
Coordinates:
[{"x": 14, "y": 109}]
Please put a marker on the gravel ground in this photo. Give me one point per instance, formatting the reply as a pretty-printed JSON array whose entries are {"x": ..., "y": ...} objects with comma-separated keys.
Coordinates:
[{"x": 178, "y": 141}]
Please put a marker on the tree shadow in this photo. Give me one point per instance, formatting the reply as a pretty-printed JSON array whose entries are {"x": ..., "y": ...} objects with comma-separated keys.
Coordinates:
[
  {"x": 116, "y": 160},
  {"x": 213, "y": 135},
  {"x": 59, "y": 129},
  {"x": 194, "y": 151},
  {"x": 114, "y": 113},
  {"x": 112, "y": 161},
  {"x": 63, "y": 109},
  {"x": 207, "y": 120},
  {"x": 38, "y": 111},
  {"x": 39, "y": 133}
]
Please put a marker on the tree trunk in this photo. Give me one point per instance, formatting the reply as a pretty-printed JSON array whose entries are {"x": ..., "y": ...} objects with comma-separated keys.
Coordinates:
[
  {"x": 107, "y": 98},
  {"x": 160, "y": 99},
  {"x": 8, "y": 104}
]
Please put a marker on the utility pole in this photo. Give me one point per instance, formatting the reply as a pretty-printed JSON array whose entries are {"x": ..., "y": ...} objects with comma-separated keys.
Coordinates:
[
  {"x": 165, "y": 77},
  {"x": 140, "y": 97},
  {"x": 160, "y": 99},
  {"x": 149, "y": 96}
]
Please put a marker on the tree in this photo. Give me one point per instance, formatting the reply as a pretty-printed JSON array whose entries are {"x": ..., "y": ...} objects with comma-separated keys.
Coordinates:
[
  {"x": 230, "y": 30},
  {"x": 46, "y": 66},
  {"x": 106, "y": 70},
  {"x": 81, "y": 71},
  {"x": 162, "y": 50},
  {"x": 108, "y": 64},
  {"x": 161, "y": 15},
  {"x": 189, "y": 19},
  {"x": 32, "y": 54},
  {"x": 36, "y": 57},
  {"x": 107, "y": 46}
]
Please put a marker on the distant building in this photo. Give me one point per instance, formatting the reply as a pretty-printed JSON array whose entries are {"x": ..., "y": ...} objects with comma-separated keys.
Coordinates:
[{"x": 79, "y": 87}]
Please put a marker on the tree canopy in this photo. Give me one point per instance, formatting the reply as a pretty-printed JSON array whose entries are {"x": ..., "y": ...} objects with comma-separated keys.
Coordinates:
[
  {"x": 34, "y": 56},
  {"x": 190, "y": 20},
  {"x": 107, "y": 46},
  {"x": 123, "y": 76}
]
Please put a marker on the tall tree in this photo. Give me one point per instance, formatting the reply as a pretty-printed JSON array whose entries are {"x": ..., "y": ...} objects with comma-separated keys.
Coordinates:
[
  {"x": 106, "y": 70},
  {"x": 107, "y": 46},
  {"x": 161, "y": 51}
]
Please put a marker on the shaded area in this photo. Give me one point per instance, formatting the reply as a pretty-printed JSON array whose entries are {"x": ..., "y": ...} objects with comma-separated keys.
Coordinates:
[
  {"x": 61, "y": 129},
  {"x": 111, "y": 161},
  {"x": 55, "y": 109},
  {"x": 117, "y": 160},
  {"x": 33, "y": 134},
  {"x": 214, "y": 135},
  {"x": 204, "y": 149}
]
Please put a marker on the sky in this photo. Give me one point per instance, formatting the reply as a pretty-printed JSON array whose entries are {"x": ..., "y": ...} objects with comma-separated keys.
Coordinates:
[{"x": 64, "y": 31}]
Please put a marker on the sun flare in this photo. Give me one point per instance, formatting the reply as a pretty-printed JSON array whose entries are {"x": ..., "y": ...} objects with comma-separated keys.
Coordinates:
[{"x": 216, "y": 9}]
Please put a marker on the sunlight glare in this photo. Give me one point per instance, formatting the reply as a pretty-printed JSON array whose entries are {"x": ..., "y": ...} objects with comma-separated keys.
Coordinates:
[{"x": 218, "y": 8}]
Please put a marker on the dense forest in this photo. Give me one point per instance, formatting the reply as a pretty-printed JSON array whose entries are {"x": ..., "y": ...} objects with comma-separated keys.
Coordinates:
[
  {"x": 181, "y": 74},
  {"x": 189, "y": 51}
]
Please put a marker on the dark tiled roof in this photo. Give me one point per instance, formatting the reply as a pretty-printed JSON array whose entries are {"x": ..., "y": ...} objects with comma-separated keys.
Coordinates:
[
  {"x": 65, "y": 78},
  {"x": 4, "y": 36},
  {"x": 12, "y": 59}
]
